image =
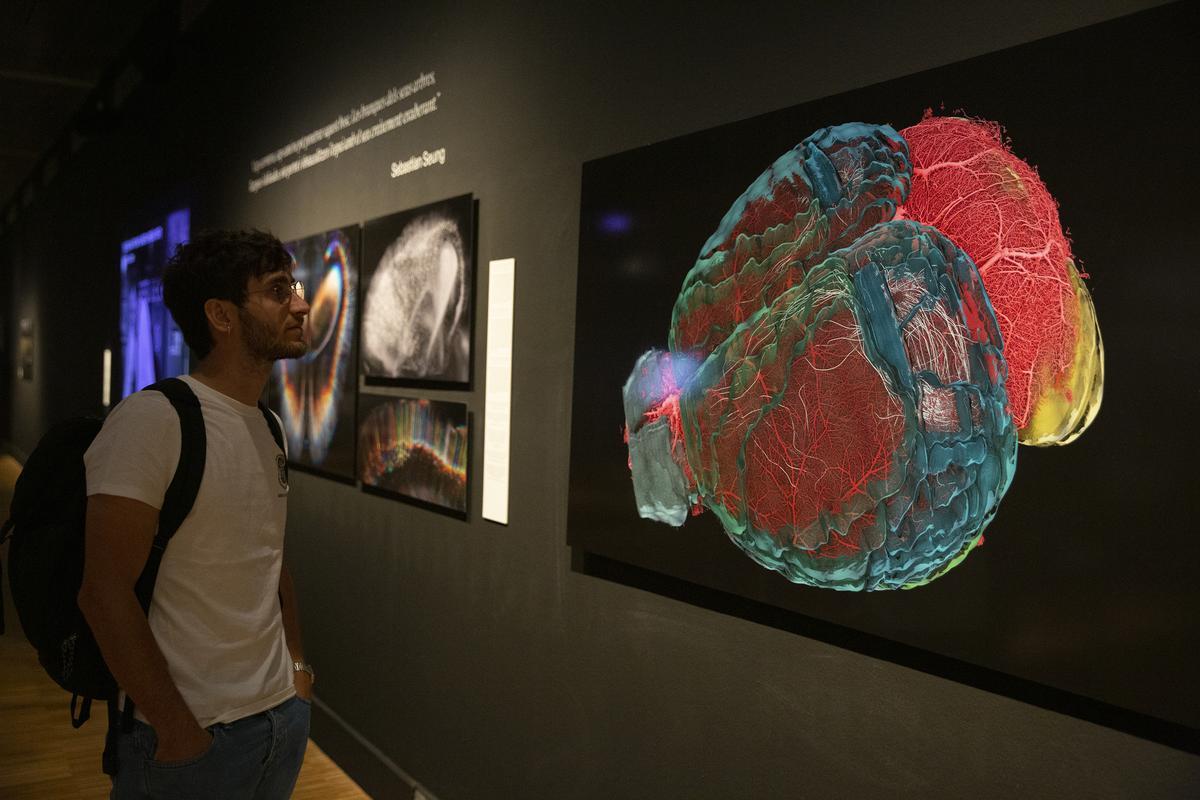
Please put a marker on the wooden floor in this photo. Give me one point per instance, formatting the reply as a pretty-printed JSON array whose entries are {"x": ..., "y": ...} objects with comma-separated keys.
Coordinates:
[{"x": 43, "y": 758}]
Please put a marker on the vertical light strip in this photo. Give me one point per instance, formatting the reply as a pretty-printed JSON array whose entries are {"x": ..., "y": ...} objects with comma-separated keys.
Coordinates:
[
  {"x": 106, "y": 392},
  {"x": 497, "y": 402}
]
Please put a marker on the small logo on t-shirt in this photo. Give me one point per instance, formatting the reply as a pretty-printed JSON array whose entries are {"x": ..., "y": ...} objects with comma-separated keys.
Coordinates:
[{"x": 281, "y": 463}]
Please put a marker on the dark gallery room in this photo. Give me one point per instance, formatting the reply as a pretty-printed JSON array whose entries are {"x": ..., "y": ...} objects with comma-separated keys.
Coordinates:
[{"x": 683, "y": 401}]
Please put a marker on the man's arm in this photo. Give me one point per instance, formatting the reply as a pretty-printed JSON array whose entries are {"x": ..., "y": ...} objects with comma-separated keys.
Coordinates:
[
  {"x": 119, "y": 533},
  {"x": 291, "y": 630}
]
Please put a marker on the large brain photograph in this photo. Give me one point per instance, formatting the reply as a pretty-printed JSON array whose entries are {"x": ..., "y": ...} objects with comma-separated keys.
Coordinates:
[{"x": 873, "y": 327}]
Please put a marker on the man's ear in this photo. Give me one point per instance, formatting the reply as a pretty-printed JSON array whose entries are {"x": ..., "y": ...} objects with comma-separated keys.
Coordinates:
[{"x": 220, "y": 314}]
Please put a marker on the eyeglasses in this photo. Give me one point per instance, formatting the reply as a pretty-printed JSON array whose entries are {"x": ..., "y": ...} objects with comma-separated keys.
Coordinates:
[{"x": 282, "y": 292}]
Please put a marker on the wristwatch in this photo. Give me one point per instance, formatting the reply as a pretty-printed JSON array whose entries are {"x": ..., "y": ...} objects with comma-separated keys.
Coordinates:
[{"x": 300, "y": 666}]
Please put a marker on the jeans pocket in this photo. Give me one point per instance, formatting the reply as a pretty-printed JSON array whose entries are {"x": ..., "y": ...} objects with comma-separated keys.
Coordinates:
[
  {"x": 187, "y": 762},
  {"x": 196, "y": 778}
]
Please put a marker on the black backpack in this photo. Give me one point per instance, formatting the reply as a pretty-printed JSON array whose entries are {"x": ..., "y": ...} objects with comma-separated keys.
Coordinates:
[{"x": 46, "y": 525}]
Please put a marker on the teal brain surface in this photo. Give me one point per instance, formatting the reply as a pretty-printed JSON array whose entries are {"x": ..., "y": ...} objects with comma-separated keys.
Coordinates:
[{"x": 833, "y": 390}]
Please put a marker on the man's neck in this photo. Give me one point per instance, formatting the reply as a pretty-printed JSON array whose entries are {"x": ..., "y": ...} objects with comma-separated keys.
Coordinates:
[{"x": 236, "y": 378}]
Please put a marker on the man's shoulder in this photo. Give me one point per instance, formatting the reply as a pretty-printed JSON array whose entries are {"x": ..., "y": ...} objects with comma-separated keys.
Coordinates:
[
  {"x": 146, "y": 414},
  {"x": 143, "y": 402}
]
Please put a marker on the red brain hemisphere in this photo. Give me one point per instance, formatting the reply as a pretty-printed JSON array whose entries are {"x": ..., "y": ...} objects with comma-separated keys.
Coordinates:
[
  {"x": 967, "y": 184},
  {"x": 812, "y": 449}
]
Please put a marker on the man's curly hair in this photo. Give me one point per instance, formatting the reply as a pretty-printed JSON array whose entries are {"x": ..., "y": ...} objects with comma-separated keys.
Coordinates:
[{"x": 216, "y": 264}]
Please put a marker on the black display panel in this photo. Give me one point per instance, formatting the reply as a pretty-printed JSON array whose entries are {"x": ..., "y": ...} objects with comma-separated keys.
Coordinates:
[
  {"x": 315, "y": 395},
  {"x": 1084, "y": 584}
]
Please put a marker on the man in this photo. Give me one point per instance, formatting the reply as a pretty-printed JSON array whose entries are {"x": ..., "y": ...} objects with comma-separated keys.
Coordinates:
[{"x": 217, "y": 671}]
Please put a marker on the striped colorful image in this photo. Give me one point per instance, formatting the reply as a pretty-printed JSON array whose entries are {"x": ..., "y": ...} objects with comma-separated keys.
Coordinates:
[{"x": 415, "y": 450}]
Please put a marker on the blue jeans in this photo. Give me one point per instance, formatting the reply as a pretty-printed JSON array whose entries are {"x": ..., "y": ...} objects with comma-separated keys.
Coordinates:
[{"x": 255, "y": 758}]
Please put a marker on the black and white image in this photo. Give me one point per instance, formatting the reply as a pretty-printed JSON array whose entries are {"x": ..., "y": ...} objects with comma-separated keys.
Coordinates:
[{"x": 417, "y": 312}]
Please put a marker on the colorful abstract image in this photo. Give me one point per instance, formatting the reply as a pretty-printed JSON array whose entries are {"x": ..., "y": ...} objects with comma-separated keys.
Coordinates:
[
  {"x": 314, "y": 395},
  {"x": 416, "y": 450}
]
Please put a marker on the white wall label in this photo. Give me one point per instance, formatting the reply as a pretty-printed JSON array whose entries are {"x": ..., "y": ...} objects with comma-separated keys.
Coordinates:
[
  {"x": 497, "y": 401},
  {"x": 106, "y": 387}
]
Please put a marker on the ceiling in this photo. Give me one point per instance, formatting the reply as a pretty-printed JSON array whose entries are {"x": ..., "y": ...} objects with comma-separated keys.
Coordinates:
[{"x": 52, "y": 54}]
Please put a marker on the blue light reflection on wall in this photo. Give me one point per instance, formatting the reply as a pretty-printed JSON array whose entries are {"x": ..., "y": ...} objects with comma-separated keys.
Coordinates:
[
  {"x": 616, "y": 223},
  {"x": 152, "y": 345}
]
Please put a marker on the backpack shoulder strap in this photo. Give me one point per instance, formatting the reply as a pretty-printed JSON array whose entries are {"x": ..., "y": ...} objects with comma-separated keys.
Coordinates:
[
  {"x": 184, "y": 486},
  {"x": 273, "y": 424},
  {"x": 277, "y": 435},
  {"x": 177, "y": 504}
]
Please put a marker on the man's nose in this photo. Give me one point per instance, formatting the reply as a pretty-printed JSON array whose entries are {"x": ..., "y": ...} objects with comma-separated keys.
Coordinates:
[{"x": 299, "y": 305}]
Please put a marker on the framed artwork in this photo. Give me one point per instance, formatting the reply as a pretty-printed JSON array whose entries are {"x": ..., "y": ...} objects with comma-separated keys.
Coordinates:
[
  {"x": 419, "y": 277},
  {"x": 882, "y": 372},
  {"x": 315, "y": 395},
  {"x": 415, "y": 450}
]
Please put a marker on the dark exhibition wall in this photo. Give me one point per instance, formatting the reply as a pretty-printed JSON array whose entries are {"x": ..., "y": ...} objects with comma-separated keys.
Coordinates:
[{"x": 473, "y": 659}]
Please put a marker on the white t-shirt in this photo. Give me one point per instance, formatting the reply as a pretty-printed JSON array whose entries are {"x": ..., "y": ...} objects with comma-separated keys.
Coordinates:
[{"x": 215, "y": 609}]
